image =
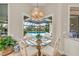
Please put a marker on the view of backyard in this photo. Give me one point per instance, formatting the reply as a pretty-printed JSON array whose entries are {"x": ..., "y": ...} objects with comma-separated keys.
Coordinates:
[{"x": 35, "y": 26}]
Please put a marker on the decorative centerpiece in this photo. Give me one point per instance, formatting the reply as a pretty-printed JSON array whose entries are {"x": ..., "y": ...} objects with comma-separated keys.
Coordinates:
[
  {"x": 6, "y": 45},
  {"x": 38, "y": 36}
]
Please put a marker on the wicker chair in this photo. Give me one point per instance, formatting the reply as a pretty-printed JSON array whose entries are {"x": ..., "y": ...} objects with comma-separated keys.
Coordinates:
[
  {"x": 27, "y": 50},
  {"x": 23, "y": 47},
  {"x": 52, "y": 51}
]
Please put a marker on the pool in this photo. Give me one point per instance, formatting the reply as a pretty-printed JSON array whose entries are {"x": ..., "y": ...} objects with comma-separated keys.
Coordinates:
[{"x": 35, "y": 33}]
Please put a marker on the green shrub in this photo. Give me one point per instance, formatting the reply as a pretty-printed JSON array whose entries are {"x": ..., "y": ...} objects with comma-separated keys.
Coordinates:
[{"x": 7, "y": 41}]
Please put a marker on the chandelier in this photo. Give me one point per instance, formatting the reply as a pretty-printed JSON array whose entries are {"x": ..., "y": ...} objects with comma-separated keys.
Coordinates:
[{"x": 37, "y": 13}]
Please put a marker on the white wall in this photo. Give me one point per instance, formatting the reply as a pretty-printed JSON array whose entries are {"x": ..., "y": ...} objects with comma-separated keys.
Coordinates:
[
  {"x": 71, "y": 47},
  {"x": 15, "y": 19}
]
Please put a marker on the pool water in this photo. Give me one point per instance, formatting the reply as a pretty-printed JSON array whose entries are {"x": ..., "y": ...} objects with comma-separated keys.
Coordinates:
[{"x": 35, "y": 33}]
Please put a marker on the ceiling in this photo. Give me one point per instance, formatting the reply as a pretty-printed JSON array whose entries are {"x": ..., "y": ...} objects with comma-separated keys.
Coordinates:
[{"x": 41, "y": 5}]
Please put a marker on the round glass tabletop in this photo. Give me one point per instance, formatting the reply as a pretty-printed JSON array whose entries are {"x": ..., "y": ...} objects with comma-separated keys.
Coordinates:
[{"x": 33, "y": 41}]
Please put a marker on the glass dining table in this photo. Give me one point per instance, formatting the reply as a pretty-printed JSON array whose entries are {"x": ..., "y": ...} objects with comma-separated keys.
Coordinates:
[{"x": 38, "y": 43}]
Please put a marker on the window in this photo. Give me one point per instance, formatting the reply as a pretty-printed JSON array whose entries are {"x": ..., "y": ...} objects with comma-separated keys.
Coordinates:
[
  {"x": 74, "y": 26},
  {"x": 3, "y": 19},
  {"x": 74, "y": 22},
  {"x": 33, "y": 27}
]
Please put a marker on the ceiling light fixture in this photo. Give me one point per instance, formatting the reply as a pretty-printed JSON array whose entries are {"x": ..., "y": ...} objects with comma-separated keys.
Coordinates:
[{"x": 37, "y": 13}]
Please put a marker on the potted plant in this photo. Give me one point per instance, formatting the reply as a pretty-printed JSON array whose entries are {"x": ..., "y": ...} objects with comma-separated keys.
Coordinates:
[{"x": 6, "y": 45}]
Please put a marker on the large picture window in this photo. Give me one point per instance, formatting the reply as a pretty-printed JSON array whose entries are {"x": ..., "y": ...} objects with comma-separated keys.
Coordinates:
[
  {"x": 74, "y": 22},
  {"x": 74, "y": 26},
  {"x": 33, "y": 27},
  {"x": 3, "y": 19}
]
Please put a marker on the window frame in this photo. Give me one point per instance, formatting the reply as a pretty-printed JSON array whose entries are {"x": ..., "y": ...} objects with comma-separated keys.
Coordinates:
[
  {"x": 52, "y": 32},
  {"x": 68, "y": 24}
]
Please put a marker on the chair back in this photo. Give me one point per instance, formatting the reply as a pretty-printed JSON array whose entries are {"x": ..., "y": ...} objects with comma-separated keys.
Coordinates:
[
  {"x": 56, "y": 47},
  {"x": 23, "y": 48}
]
